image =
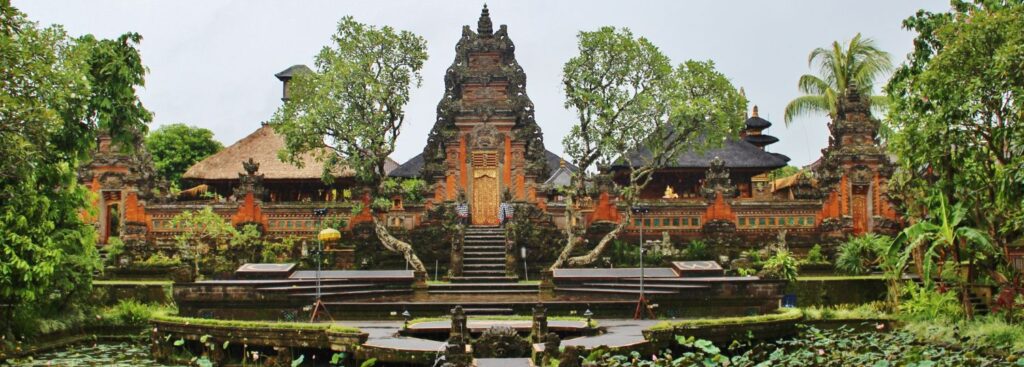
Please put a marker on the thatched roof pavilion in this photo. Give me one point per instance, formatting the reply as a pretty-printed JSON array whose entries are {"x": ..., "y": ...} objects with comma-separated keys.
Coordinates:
[{"x": 221, "y": 170}]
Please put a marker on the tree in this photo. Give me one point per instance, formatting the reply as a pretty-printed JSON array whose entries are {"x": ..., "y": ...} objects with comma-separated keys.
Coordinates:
[
  {"x": 176, "y": 147},
  {"x": 631, "y": 103},
  {"x": 56, "y": 94},
  {"x": 858, "y": 62},
  {"x": 350, "y": 110},
  {"x": 956, "y": 117}
]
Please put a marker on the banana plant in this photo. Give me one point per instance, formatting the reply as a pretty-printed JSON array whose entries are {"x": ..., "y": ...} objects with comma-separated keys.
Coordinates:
[{"x": 944, "y": 232}]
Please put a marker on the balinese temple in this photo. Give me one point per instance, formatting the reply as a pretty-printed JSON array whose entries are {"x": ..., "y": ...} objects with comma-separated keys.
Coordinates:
[{"x": 486, "y": 141}]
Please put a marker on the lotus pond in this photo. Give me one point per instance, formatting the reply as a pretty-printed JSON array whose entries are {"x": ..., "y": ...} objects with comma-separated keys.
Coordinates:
[
  {"x": 841, "y": 346},
  {"x": 124, "y": 354}
]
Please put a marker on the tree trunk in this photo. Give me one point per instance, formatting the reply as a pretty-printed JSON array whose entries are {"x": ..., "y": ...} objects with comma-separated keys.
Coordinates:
[
  {"x": 570, "y": 228},
  {"x": 592, "y": 256},
  {"x": 395, "y": 245}
]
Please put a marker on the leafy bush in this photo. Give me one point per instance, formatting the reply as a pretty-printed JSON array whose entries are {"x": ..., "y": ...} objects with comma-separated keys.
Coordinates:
[
  {"x": 115, "y": 248},
  {"x": 815, "y": 256},
  {"x": 129, "y": 312},
  {"x": 783, "y": 265},
  {"x": 926, "y": 304},
  {"x": 859, "y": 255},
  {"x": 698, "y": 250},
  {"x": 159, "y": 260}
]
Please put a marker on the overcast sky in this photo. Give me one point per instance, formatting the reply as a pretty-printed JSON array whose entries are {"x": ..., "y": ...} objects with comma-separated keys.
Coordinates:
[{"x": 211, "y": 63}]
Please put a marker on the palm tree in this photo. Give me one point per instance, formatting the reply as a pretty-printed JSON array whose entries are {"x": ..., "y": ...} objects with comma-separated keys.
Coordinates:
[{"x": 858, "y": 61}]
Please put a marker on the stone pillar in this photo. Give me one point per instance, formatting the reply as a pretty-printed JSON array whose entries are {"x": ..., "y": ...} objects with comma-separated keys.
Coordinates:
[
  {"x": 539, "y": 328},
  {"x": 458, "y": 336}
]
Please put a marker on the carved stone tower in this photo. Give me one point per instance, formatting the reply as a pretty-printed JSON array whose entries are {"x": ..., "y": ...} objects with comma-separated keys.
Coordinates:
[
  {"x": 855, "y": 170},
  {"x": 485, "y": 139}
]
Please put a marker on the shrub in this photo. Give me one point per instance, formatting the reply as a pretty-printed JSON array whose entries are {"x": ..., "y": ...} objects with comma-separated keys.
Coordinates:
[
  {"x": 698, "y": 250},
  {"x": 130, "y": 312},
  {"x": 859, "y": 255},
  {"x": 783, "y": 265},
  {"x": 814, "y": 256},
  {"x": 926, "y": 304},
  {"x": 159, "y": 260}
]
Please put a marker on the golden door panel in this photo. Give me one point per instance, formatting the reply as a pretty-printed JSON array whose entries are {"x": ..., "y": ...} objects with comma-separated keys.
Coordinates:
[
  {"x": 860, "y": 210},
  {"x": 485, "y": 197}
]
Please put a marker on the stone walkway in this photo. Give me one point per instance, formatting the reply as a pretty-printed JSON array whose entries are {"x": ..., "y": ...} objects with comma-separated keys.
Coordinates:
[{"x": 384, "y": 334}]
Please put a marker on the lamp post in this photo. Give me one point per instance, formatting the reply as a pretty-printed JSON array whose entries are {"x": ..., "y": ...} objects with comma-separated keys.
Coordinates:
[
  {"x": 330, "y": 236},
  {"x": 642, "y": 307},
  {"x": 590, "y": 316}
]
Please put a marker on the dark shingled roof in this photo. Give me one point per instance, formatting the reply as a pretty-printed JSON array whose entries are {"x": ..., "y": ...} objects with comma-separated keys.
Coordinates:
[
  {"x": 760, "y": 140},
  {"x": 287, "y": 73},
  {"x": 414, "y": 165},
  {"x": 736, "y": 154},
  {"x": 757, "y": 123}
]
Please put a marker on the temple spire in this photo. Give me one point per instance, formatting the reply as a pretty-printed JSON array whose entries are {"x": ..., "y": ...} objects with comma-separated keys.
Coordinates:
[
  {"x": 484, "y": 26},
  {"x": 754, "y": 112}
]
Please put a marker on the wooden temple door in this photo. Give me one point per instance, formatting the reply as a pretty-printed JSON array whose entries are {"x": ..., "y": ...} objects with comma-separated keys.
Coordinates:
[
  {"x": 484, "y": 205},
  {"x": 859, "y": 209}
]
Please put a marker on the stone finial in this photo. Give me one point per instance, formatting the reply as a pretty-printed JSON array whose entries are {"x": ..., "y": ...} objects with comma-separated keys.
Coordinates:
[
  {"x": 484, "y": 27},
  {"x": 754, "y": 112}
]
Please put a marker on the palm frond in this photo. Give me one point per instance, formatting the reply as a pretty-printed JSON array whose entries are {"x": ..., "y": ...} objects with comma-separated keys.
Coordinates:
[
  {"x": 811, "y": 84},
  {"x": 805, "y": 105}
]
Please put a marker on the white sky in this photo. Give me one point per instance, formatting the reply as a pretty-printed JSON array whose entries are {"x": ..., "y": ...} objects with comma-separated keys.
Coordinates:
[{"x": 211, "y": 63}]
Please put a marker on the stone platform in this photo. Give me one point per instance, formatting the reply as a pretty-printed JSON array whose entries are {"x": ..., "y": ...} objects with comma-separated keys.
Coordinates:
[{"x": 283, "y": 293}]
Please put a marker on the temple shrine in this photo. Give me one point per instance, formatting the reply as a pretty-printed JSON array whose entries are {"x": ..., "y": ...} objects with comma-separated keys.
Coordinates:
[{"x": 486, "y": 141}]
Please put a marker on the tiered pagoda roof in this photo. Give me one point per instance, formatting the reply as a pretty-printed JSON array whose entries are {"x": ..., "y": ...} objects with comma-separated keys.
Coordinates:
[{"x": 753, "y": 133}]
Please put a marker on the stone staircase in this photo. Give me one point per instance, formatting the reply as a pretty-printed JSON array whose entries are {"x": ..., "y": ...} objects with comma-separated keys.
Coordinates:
[
  {"x": 484, "y": 274},
  {"x": 483, "y": 256}
]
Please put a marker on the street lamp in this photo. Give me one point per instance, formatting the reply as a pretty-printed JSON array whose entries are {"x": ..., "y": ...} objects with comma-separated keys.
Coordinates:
[
  {"x": 642, "y": 307},
  {"x": 407, "y": 316},
  {"x": 330, "y": 236},
  {"x": 589, "y": 315}
]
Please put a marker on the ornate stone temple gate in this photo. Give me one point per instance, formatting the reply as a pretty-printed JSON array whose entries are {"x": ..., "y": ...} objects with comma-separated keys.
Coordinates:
[{"x": 485, "y": 140}]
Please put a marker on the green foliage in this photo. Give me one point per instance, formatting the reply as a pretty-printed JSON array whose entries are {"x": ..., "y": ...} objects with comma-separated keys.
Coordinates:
[
  {"x": 272, "y": 325},
  {"x": 354, "y": 101},
  {"x": 858, "y": 255},
  {"x": 815, "y": 256},
  {"x": 957, "y": 117},
  {"x": 842, "y": 346},
  {"x": 791, "y": 314},
  {"x": 114, "y": 247},
  {"x": 867, "y": 311},
  {"x": 159, "y": 260},
  {"x": 782, "y": 265},
  {"x": 176, "y": 147},
  {"x": 698, "y": 250},
  {"x": 628, "y": 98},
  {"x": 58, "y": 94},
  {"x": 923, "y": 304},
  {"x": 857, "y": 62},
  {"x": 130, "y": 313},
  {"x": 784, "y": 171}
]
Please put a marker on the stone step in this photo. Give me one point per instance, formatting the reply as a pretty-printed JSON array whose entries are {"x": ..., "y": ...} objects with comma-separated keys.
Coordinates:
[
  {"x": 490, "y": 273},
  {"x": 468, "y": 267},
  {"x": 647, "y": 285},
  {"x": 482, "y": 279},
  {"x": 482, "y": 291},
  {"x": 507, "y": 284},
  {"x": 296, "y": 288},
  {"x": 611, "y": 291},
  {"x": 468, "y": 254},
  {"x": 372, "y": 292},
  {"x": 487, "y": 311},
  {"x": 485, "y": 259},
  {"x": 484, "y": 248},
  {"x": 489, "y": 241}
]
